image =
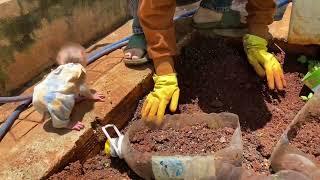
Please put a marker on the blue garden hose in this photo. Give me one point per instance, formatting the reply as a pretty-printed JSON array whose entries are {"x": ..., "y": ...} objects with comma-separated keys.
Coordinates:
[
  {"x": 14, "y": 99},
  {"x": 27, "y": 100},
  {"x": 281, "y": 3},
  {"x": 107, "y": 49}
]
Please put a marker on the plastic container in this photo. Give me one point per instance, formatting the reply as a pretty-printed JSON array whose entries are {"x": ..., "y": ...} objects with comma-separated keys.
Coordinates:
[
  {"x": 312, "y": 80},
  {"x": 157, "y": 166},
  {"x": 113, "y": 146},
  {"x": 230, "y": 172},
  {"x": 288, "y": 157}
]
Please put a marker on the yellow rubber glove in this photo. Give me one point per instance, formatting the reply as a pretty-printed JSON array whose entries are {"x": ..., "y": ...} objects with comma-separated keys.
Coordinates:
[
  {"x": 165, "y": 89},
  {"x": 264, "y": 63}
]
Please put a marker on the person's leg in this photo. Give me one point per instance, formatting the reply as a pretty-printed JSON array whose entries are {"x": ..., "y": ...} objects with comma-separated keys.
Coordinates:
[
  {"x": 135, "y": 52},
  {"x": 216, "y": 14},
  {"x": 260, "y": 15},
  {"x": 156, "y": 18},
  {"x": 133, "y": 7},
  {"x": 216, "y": 5}
]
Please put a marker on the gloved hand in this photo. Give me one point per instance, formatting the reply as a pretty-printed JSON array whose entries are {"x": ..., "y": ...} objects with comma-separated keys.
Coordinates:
[
  {"x": 165, "y": 89},
  {"x": 264, "y": 63}
]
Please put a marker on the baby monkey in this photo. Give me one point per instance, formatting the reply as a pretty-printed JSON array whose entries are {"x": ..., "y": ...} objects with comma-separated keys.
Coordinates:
[{"x": 63, "y": 87}]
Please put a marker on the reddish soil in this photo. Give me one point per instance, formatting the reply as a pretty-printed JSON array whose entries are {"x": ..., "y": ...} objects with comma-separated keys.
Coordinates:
[
  {"x": 214, "y": 76},
  {"x": 98, "y": 167},
  {"x": 190, "y": 140},
  {"x": 307, "y": 138}
]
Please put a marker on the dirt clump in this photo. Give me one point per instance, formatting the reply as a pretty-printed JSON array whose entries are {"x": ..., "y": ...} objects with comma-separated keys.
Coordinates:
[
  {"x": 98, "y": 167},
  {"x": 198, "y": 139},
  {"x": 215, "y": 76},
  {"x": 307, "y": 138}
]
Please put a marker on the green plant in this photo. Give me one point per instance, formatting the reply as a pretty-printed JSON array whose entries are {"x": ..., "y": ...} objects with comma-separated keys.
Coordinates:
[{"x": 312, "y": 64}]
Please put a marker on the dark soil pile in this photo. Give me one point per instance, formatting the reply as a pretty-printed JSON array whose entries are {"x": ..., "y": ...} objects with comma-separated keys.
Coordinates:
[
  {"x": 98, "y": 167},
  {"x": 307, "y": 138},
  {"x": 215, "y": 76},
  {"x": 190, "y": 140}
]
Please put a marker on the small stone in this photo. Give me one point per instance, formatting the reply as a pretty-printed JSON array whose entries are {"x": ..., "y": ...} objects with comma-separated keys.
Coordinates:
[
  {"x": 266, "y": 163},
  {"x": 222, "y": 139}
]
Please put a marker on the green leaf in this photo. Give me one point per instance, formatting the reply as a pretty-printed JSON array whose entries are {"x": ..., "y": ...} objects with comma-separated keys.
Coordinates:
[{"x": 310, "y": 95}]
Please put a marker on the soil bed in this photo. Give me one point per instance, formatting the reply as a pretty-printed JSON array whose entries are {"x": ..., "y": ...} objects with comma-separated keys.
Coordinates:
[
  {"x": 98, "y": 167},
  {"x": 215, "y": 76},
  {"x": 307, "y": 138},
  {"x": 191, "y": 140}
]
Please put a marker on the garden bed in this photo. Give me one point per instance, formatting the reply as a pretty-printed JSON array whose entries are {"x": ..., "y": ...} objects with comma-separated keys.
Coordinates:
[{"x": 214, "y": 76}]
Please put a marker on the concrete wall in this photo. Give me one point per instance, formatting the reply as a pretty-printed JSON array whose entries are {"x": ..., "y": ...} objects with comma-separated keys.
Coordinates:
[{"x": 31, "y": 32}]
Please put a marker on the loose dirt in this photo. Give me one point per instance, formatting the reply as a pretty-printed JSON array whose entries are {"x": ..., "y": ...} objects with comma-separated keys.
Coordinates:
[
  {"x": 214, "y": 76},
  {"x": 307, "y": 138},
  {"x": 98, "y": 167},
  {"x": 190, "y": 140}
]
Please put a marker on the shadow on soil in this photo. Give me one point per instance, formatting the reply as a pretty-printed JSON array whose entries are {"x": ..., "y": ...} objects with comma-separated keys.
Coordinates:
[{"x": 215, "y": 76}]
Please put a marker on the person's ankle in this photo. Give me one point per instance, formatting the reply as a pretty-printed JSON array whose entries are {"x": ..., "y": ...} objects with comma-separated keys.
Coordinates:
[
  {"x": 164, "y": 65},
  {"x": 204, "y": 15}
]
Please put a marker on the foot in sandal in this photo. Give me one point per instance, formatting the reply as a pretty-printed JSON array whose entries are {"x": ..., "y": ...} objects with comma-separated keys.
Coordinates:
[{"x": 135, "y": 53}]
